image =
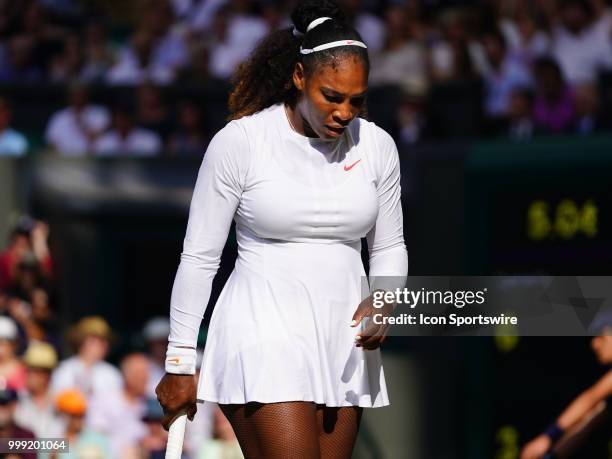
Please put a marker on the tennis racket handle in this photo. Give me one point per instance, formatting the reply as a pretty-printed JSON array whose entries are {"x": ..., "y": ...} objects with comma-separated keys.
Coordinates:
[{"x": 176, "y": 434}]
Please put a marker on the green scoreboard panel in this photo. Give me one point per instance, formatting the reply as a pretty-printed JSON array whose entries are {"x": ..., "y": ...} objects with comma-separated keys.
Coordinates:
[{"x": 542, "y": 206}]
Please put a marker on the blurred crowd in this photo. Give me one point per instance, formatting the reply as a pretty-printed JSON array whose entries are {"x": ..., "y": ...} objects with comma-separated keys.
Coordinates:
[
  {"x": 56, "y": 382},
  {"x": 539, "y": 64}
]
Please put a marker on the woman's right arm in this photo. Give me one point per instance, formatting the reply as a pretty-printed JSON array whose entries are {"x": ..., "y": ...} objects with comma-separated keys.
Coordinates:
[
  {"x": 571, "y": 416},
  {"x": 213, "y": 205}
]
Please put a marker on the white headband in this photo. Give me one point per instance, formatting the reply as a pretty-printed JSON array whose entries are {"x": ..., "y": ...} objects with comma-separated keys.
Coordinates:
[
  {"x": 312, "y": 25},
  {"x": 333, "y": 44},
  {"x": 316, "y": 22}
]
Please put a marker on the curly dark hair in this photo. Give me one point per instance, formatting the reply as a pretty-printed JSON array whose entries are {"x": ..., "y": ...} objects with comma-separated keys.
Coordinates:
[{"x": 266, "y": 78}]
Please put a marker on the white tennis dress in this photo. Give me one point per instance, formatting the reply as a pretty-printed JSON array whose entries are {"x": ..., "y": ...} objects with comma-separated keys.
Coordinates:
[{"x": 280, "y": 330}]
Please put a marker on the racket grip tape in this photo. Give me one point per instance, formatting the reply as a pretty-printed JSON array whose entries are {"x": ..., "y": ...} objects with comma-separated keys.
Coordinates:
[{"x": 176, "y": 435}]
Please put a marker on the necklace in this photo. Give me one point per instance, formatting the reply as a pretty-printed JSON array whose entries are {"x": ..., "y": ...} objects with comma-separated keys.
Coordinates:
[
  {"x": 336, "y": 144},
  {"x": 289, "y": 119}
]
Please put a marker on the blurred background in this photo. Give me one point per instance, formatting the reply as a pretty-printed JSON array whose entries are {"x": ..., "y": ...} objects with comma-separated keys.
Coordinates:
[{"x": 502, "y": 113}]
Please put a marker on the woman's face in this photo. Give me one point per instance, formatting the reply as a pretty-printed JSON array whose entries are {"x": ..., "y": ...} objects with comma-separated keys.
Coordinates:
[{"x": 332, "y": 96}]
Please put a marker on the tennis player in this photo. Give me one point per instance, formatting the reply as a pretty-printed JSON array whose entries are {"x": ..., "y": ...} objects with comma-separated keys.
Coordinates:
[{"x": 288, "y": 357}]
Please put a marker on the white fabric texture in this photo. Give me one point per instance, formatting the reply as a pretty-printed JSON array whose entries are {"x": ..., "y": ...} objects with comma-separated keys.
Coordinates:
[
  {"x": 280, "y": 330},
  {"x": 101, "y": 378},
  {"x": 139, "y": 142},
  {"x": 65, "y": 130}
]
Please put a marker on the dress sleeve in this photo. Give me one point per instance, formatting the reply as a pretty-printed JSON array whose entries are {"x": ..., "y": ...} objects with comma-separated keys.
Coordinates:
[
  {"x": 388, "y": 255},
  {"x": 213, "y": 205}
]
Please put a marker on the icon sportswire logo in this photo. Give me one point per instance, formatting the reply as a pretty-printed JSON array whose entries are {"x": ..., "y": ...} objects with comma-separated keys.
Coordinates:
[{"x": 348, "y": 168}]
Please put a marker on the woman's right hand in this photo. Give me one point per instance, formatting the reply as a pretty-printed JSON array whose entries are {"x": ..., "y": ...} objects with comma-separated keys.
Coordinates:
[{"x": 176, "y": 395}]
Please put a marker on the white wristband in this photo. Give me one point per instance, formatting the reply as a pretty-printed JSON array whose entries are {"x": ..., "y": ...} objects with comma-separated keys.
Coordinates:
[{"x": 180, "y": 360}]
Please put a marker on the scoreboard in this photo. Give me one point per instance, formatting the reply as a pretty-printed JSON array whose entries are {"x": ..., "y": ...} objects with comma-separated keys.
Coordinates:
[{"x": 540, "y": 207}]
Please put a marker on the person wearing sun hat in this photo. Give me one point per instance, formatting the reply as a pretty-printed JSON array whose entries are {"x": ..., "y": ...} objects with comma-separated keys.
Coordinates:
[
  {"x": 35, "y": 408},
  {"x": 11, "y": 369},
  {"x": 72, "y": 406},
  {"x": 88, "y": 370}
]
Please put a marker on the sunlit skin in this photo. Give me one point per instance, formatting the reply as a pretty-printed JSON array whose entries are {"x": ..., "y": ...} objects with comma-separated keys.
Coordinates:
[
  {"x": 38, "y": 381},
  {"x": 135, "y": 369},
  {"x": 582, "y": 406},
  {"x": 602, "y": 346},
  {"x": 93, "y": 349},
  {"x": 330, "y": 98}
]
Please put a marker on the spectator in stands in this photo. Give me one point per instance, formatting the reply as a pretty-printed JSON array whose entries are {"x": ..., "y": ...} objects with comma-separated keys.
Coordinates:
[
  {"x": 189, "y": 140},
  {"x": 170, "y": 49},
  {"x": 84, "y": 443},
  {"x": 157, "y": 51},
  {"x": 37, "y": 23},
  {"x": 153, "y": 444},
  {"x": 526, "y": 41},
  {"x": 235, "y": 32},
  {"x": 581, "y": 45},
  {"x": 12, "y": 371},
  {"x": 197, "y": 72},
  {"x": 403, "y": 60},
  {"x": 29, "y": 237},
  {"x": 588, "y": 118},
  {"x": 27, "y": 249},
  {"x": 151, "y": 111},
  {"x": 553, "y": 105},
  {"x": 275, "y": 14},
  {"x": 503, "y": 74},
  {"x": 43, "y": 326},
  {"x": 19, "y": 245},
  {"x": 369, "y": 26},
  {"x": 98, "y": 54},
  {"x": 35, "y": 408},
  {"x": 28, "y": 276},
  {"x": 68, "y": 65},
  {"x": 20, "y": 311},
  {"x": 223, "y": 444},
  {"x": 8, "y": 427},
  {"x": 119, "y": 417},
  {"x": 12, "y": 143},
  {"x": 453, "y": 56},
  {"x": 21, "y": 66},
  {"x": 202, "y": 14},
  {"x": 520, "y": 119},
  {"x": 155, "y": 333},
  {"x": 135, "y": 63},
  {"x": 87, "y": 370},
  {"x": 125, "y": 138},
  {"x": 72, "y": 130}
]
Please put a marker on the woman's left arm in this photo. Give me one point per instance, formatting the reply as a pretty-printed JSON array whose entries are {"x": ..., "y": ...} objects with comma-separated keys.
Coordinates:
[{"x": 386, "y": 246}]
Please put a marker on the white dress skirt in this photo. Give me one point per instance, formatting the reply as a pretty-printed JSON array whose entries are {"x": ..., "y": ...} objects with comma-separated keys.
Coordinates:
[{"x": 280, "y": 330}]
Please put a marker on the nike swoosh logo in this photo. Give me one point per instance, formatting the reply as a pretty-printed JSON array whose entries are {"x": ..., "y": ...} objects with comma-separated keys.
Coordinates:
[
  {"x": 348, "y": 168},
  {"x": 175, "y": 360}
]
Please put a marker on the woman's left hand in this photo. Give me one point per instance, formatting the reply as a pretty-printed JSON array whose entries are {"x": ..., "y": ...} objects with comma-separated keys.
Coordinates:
[{"x": 374, "y": 334}]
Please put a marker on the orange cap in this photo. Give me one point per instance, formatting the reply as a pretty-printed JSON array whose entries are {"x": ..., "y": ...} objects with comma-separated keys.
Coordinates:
[{"x": 71, "y": 401}]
